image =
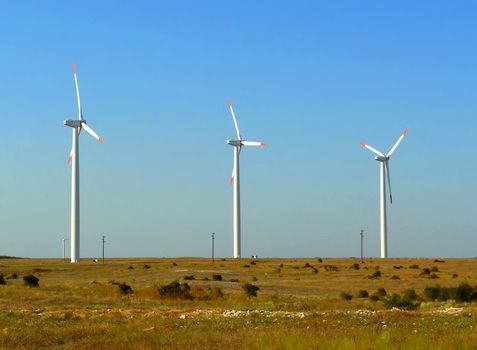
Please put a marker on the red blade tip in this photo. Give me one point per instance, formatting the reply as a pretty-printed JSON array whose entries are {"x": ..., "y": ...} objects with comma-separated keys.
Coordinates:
[
  {"x": 100, "y": 140},
  {"x": 230, "y": 102},
  {"x": 405, "y": 131},
  {"x": 231, "y": 180},
  {"x": 74, "y": 68},
  {"x": 263, "y": 143},
  {"x": 362, "y": 143},
  {"x": 69, "y": 160}
]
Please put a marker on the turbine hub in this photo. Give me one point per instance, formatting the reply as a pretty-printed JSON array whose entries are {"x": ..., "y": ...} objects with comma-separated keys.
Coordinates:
[{"x": 235, "y": 143}]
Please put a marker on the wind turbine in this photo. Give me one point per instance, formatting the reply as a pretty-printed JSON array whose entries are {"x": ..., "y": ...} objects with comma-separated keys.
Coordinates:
[
  {"x": 384, "y": 170},
  {"x": 235, "y": 180},
  {"x": 77, "y": 126}
]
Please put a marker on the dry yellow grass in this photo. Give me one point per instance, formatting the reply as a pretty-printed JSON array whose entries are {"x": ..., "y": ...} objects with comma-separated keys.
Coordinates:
[{"x": 298, "y": 305}]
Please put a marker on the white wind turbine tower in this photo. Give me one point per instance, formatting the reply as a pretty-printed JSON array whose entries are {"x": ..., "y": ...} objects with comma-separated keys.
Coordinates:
[
  {"x": 76, "y": 125},
  {"x": 384, "y": 170},
  {"x": 235, "y": 181}
]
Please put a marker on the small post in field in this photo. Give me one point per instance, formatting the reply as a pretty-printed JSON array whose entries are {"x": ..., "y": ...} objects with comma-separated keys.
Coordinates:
[
  {"x": 103, "y": 246},
  {"x": 362, "y": 235},
  {"x": 213, "y": 247}
]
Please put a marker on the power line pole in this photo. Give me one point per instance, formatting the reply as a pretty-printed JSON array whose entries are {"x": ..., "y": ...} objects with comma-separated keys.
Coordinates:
[
  {"x": 103, "y": 246},
  {"x": 362, "y": 235},
  {"x": 213, "y": 246},
  {"x": 63, "y": 241}
]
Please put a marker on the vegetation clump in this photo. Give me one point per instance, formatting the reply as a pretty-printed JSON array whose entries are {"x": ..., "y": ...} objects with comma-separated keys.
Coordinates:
[
  {"x": 355, "y": 266},
  {"x": 313, "y": 269},
  {"x": 2, "y": 279},
  {"x": 395, "y": 300},
  {"x": 189, "y": 278},
  {"x": 375, "y": 274},
  {"x": 124, "y": 288},
  {"x": 31, "y": 281},
  {"x": 146, "y": 266},
  {"x": 176, "y": 290},
  {"x": 217, "y": 277},
  {"x": 414, "y": 266},
  {"x": 363, "y": 294},
  {"x": 346, "y": 296},
  {"x": 13, "y": 276},
  {"x": 250, "y": 289}
]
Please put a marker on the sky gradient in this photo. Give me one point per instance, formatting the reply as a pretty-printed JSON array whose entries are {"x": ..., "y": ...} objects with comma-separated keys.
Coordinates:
[{"x": 310, "y": 78}]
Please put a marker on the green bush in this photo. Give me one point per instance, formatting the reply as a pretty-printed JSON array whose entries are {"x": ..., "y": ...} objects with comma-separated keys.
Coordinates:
[
  {"x": 376, "y": 274},
  {"x": 217, "y": 277},
  {"x": 346, "y": 296},
  {"x": 374, "y": 297},
  {"x": 381, "y": 292},
  {"x": 414, "y": 266},
  {"x": 31, "y": 281},
  {"x": 250, "y": 289},
  {"x": 355, "y": 266},
  {"x": 2, "y": 279},
  {"x": 176, "y": 290},
  {"x": 363, "y": 294},
  {"x": 410, "y": 294},
  {"x": 464, "y": 293},
  {"x": 124, "y": 288},
  {"x": 395, "y": 300}
]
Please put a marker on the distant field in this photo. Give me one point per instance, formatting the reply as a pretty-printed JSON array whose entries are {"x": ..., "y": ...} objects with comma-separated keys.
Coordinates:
[{"x": 301, "y": 304}]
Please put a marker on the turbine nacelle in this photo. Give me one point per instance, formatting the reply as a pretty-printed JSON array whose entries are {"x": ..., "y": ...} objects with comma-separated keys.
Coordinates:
[
  {"x": 235, "y": 143},
  {"x": 74, "y": 123},
  {"x": 381, "y": 159}
]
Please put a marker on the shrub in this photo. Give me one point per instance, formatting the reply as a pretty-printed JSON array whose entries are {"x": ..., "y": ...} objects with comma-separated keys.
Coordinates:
[
  {"x": 414, "y": 266},
  {"x": 124, "y": 288},
  {"x": 434, "y": 269},
  {"x": 363, "y": 294},
  {"x": 280, "y": 266},
  {"x": 254, "y": 279},
  {"x": 376, "y": 274},
  {"x": 395, "y": 300},
  {"x": 174, "y": 264},
  {"x": 31, "y": 281},
  {"x": 189, "y": 278},
  {"x": 374, "y": 297},
  {"x": 320, "y": 260},
  {"x": 397, "y": 267},
  {"x": 455, "y": 275},
  {"x": 130, "y": 268},
  {"x": 176, "y": 290},
  {"x": 13, "y": 276},
  {"x": 146, "y": 266},
  {"x": 346, "y": 296},
  {"x": 433, "y": 276},
  {"x": 216, "y": 277},
  {"x": 234, "y": 280},
  {"x": 410, "y": 294},
  {"x": 433, "y": 292},
  {"x": 464, "y": 293},
  {"x": 355, "y": 266},
  {"x": 439, "y": 261},
  {"x": 425, "y": 272},
  {"x": 253, "y": 263},
  {"x": 381, "y": 292},
  {"x": 246, "y": 266},
  {"x": 2, "y": 279},
  {"x": 250, "y": 289}
]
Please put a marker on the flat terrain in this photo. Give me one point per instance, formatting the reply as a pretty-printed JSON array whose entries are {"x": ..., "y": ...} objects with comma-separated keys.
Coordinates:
[{"x": 301, "y": 304}]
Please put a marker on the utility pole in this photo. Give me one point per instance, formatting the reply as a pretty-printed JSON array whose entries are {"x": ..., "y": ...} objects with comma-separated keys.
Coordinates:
[
  {"x": 213, "y": 246},
  {"x": 63, "y": 241},
  {"x": 362, "y": 235},
  {"x": 103, "y": 246}
]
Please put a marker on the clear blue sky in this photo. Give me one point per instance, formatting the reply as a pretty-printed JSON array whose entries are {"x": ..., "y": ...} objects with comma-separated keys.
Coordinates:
[{"x": 311, "y": 78}]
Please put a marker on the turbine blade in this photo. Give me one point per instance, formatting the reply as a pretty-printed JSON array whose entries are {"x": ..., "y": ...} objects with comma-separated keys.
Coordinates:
[
  {"x": 235, "y": 120},
  {"x": 80, "y": 112},
  {"x": 253, "y": 143},
  {"x": 91, "y": 132},
  {"x": 71, "y": 156},
  {"x": 375, "y": 151},
  {"x": 389, "y": 182},
  {"x": 390, "y": 153},
  {"x": 231, "y": 181}
]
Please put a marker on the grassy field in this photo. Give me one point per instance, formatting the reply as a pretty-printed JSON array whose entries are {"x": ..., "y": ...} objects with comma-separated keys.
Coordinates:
[{"x": 301, "y": 304}]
